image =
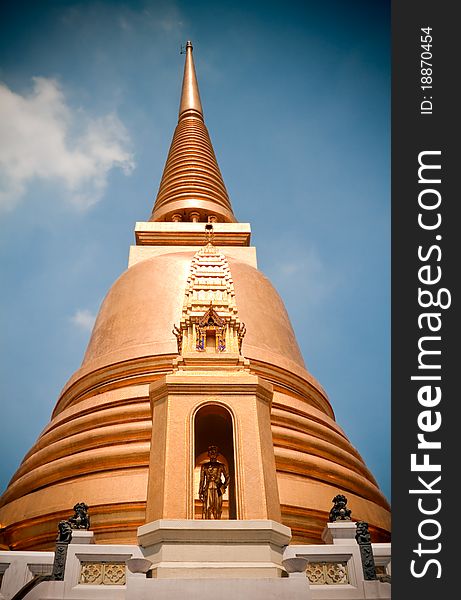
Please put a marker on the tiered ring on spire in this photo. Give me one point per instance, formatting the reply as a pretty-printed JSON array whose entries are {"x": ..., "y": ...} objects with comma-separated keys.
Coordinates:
[{"x": 192, "y": 187}]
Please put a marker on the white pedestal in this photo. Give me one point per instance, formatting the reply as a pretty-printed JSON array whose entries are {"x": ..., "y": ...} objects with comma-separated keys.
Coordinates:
[
  {"x": 82, "y": 536},
  {"x": 214, "y": 549},
  {"x": 339, "y": 532}
]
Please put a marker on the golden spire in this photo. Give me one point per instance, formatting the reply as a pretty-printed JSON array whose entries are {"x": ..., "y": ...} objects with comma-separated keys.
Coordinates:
[
  {"x": 190, "y": 104},
  {"x": 192, "y": 187}
]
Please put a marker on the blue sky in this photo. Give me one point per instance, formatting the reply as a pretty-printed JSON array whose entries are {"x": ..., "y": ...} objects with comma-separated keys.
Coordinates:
[{"x": 296, "y": 97}]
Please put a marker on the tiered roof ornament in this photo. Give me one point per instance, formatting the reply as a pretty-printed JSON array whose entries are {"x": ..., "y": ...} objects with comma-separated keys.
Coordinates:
[{"x": 210, "y": 321}]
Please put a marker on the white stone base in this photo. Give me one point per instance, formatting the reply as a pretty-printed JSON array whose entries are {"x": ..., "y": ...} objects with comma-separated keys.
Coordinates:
[
  {"x": 224, "y": 589},
  {"x": 214, "y": 549},
  {"x": 82, "y": 536},
  {"x": 19, "y": 567},
  {"x": 339, "y": 532}
]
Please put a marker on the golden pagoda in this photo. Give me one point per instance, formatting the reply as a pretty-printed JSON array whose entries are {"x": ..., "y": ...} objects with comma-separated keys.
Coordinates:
[{"x": 192, "y": 347}]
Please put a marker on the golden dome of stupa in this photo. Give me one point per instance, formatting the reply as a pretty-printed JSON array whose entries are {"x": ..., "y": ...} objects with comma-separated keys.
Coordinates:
[{"x": 96, "y": 447}]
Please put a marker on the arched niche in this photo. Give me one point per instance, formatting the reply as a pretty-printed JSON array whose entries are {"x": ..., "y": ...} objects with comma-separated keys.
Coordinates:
[{"x": 213, "y": 425}]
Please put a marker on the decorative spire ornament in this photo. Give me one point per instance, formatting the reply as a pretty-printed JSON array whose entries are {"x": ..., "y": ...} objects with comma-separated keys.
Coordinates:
[{"x": 192, "y": 187}]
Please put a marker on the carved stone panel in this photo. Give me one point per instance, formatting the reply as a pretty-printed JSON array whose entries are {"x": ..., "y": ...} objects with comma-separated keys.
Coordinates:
[
  {"x": 327, "y": 573},
  {"x": 336, "y": 573},
  {"x": 103, "y": 573},
  {"x": 91, "y": 573},
  {"x": 114, "y": 574}
]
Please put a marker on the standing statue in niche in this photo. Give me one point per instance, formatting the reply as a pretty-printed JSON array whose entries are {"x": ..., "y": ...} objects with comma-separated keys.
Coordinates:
[{"x": 214, "y": 480}]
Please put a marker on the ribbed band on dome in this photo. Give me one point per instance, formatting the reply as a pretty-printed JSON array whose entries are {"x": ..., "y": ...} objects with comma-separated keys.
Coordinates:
[{"x": 192, "y": 181}]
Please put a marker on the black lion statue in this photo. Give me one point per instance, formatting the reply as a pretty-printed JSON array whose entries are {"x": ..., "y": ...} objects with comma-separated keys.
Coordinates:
[
  {"x": 81, "y": 519},
  {"x": 340, "y": 512}
]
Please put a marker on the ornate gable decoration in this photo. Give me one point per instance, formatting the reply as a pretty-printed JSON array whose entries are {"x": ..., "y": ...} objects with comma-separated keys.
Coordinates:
[{"x": 209, "y": 321}]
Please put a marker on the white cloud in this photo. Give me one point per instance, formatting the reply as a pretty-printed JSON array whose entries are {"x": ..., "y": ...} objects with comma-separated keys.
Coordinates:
[
  {"x": 42, "y": 137},
  {"x": 83, "y": 319}
]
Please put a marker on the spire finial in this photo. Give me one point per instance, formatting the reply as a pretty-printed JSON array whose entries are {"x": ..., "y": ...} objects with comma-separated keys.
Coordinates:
[{"x": 190, "y": 97}]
